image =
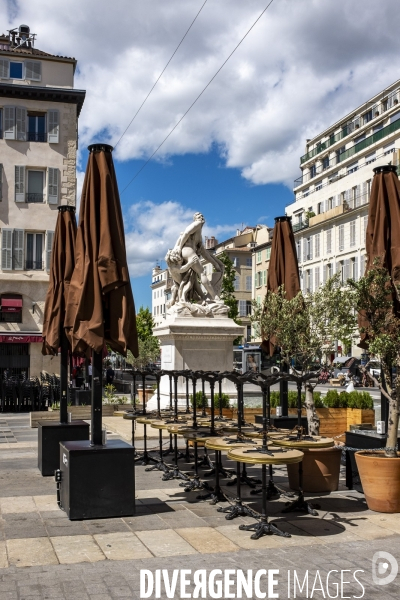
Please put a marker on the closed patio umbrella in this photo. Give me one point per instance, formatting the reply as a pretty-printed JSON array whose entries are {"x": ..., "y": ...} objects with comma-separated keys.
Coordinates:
[
  {"x": 383, "y": 238},
  {"x": 100, "y": 304},
  {"x": 283, "y": 270},
  {"x": 61, "y": 269}
]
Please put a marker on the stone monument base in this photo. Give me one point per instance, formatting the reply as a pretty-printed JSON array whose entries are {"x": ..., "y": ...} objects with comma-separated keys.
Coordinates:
[{"x": 195, "y": 343}]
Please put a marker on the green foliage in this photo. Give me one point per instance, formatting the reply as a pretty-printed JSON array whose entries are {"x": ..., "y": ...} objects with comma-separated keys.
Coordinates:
[
  {"x": 221, "y": 400},
  {"x": 307, "y": 327},
  {"x": 335, "y": 399},
  {"x": 201, "y": 400},
  {"x": 109, "y": 394},
  {"x": 227, "y": 291},
  {"x": 292, "y": 399},
  {"x": 144, "y": 324},
  {"x": 149, "y": 352}
]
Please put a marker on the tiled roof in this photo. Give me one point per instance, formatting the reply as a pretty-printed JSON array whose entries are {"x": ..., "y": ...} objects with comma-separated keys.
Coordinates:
[{"x": 34, "y": 52}]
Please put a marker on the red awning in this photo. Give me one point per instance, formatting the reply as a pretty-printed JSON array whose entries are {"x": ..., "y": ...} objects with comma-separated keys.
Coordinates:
[
  {"x": 21, "y": 339},
  {"x": 11, "y": 304}
]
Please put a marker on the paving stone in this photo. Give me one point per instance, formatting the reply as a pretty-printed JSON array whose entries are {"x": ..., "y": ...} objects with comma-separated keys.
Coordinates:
[
  {"x": 3, "y": 557},
  {"x": 165, "y": 543},
  {"x": 106, "y": 526},
  {"x": 31, "y": 552},
  {"x": 122, "y": 546},
  {"x": 76, "y": 549},
  {"x": 17, "y": 505},
  {"x": 146, "y": 522},
  {"x": 46, "y": 503},
  {"x": 207, "y": 539}
]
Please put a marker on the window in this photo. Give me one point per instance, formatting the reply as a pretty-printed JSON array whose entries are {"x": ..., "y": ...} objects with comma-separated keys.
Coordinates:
[
  {"x": 248, "y": 283},
  {"x": 267, "y": 253},
  {"x": 317, "y": 277},
  {"x": 354, "y": 268},
  {"x": 318, "y": 185},
  {"x": 352, "y": 168},
  {"x": 370, "y": 158},
  {"x": 16, "y": 70},
  {"x": 352, "y": 233},
  {"x": 36, "y": 127},
  {"x": 341, "y": 237},
  {"x": 248, "y": 308},
  {"x": 235, "y": 261},
  {"x": 325, "y": 163},
  {"x": 364, "y": 228},
  {"x": 367, "y": 117},
  {"x": 35, "y": 186},
  {"x": 362, "y": 265},
  {"x": 242, "y": 308},
  {"x": 248, "y": 262},
  {"x": 264, "y": 277},
  {"x": 317, "y": 244},
  {"x": 15, "y": 123},
  {"x": 34, "y": 251},
  {"x": 11, "y": 308},
  {"x": 319, "y": 208},
  {"x": 237, "y": 283},
  {"x": 339, "y": 152},
  {"x": 306, "y": 192},
  {"x": 258, "y": 257},
  {"x": 329, "y": 203},
  {"x": 258, "y": 300},
  {"x": 1, "y": 182},
  {"x": 340, "y": 270},
  {"x": 378, "y": 127},
  {"x": 313, "y": 171},
  {"x": 359, "y": 139}
]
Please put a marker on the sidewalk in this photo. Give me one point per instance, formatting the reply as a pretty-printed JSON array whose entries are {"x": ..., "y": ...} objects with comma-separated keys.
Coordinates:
[{"x": 44, "y": 555}]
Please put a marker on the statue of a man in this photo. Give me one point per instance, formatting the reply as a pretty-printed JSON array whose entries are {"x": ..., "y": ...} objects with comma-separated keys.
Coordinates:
[{"x": 186, "y": 269}]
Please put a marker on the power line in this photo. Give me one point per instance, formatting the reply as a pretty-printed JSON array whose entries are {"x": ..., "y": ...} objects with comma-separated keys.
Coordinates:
[
  {"x": 161, "y": 74},
  {"x": 198, "y": 97}
]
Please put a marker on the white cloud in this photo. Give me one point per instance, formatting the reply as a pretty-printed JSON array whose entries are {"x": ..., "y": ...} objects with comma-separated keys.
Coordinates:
[
  {"x": 151, "y": 229},
  {"x": 304, "y": 65}
]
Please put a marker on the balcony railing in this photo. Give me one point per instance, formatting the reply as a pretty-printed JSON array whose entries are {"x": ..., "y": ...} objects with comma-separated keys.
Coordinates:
[
  {"x": 37, "y": 137},
  {"x": 360, "y": 120},
  {"x": 33, "y": 265},
  {"x": 300, "y": 226},
  {"x": 33, "y": 197},
  {"x": 372, "y": 139}
]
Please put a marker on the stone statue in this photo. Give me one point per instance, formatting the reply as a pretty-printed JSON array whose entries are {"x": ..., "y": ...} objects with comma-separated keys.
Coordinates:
[{"x": 193, "y": 294}]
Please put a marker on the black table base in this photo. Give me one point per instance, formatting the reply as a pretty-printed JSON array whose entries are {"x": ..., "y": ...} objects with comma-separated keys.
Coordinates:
[{"x": 263, "y": 527}]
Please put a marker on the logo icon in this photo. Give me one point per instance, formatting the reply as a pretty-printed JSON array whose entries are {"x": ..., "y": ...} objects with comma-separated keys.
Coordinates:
[{"x": 384, "y": 568}]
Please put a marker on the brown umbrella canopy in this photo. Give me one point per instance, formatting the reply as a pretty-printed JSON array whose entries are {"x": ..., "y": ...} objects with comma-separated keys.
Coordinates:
[
  {"x": 283, "y": 265},
  {"x": 383, "y": 229},
  {"x": 61, "y": 269},
  {"x": 100, "y": 305}
]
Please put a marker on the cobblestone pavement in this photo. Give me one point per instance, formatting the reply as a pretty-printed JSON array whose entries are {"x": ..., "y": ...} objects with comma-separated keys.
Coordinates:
[{"x": 44, "y": 555}]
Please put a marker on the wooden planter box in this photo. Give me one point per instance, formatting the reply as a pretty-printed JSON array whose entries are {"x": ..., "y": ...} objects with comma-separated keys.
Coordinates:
[{"x": 78, "y": 413}]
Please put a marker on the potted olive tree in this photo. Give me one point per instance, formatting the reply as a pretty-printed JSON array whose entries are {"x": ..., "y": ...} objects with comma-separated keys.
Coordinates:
[
  {"x": 305, "y": 329},
  {"x": 375, "y": 300}
]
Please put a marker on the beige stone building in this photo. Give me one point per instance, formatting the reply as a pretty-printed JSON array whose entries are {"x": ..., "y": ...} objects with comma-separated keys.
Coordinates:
[
  {"x": 39, "y": 110},
  {"x": 260, "y": 264}
]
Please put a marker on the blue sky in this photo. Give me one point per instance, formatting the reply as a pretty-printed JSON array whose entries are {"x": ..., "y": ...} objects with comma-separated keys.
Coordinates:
[{"x": 234, "y": 157}]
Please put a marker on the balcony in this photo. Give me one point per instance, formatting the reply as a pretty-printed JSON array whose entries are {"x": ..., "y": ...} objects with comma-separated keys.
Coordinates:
[
  {"x": 33, "y": 265},
  {"x": 300, "y": 226},
  {"x": 31, "y": 197},
  {"x": 36, "y": 137},
  {"x": 372, "y": 139}
]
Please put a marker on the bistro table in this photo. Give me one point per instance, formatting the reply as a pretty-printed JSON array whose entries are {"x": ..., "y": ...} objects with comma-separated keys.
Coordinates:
[
  {"x": 305, "y": 441},
  {"x": 264, "y": 456},
  {"x": 197, "y": 437}
]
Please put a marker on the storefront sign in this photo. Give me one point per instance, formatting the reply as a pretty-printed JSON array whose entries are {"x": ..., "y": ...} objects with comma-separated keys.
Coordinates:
[{"x": 21, "y": 339}]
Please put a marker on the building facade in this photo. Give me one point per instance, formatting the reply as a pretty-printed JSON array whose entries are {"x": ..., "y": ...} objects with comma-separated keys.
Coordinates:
[
  {"x": 260, "y": 265},
  {"x": 159, "y": 298},
  {"x": 330, "y": 211},
  {"x": 39, "y": 110}
]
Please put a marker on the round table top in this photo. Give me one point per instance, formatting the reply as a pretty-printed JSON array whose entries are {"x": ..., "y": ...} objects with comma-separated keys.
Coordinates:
[
  {"x": 225, "y": 443},
  {"x": 146, "y": 420},
  {"x": 315, "y": 441},
  {"x": 279, "y": 456},
  {"x": 271, "y": 434},
  {"x": 179, "y": 429},
  {"x": 195, "y": 435}
]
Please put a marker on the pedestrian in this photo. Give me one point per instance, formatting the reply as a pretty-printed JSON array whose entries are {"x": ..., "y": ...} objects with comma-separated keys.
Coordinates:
[{"x": 110, "y": 375}]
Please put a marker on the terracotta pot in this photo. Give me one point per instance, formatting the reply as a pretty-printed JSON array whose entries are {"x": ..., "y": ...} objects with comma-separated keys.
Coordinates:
[
  {"x": 380, "y": 479},
  {"x": 321, "y": 468}
]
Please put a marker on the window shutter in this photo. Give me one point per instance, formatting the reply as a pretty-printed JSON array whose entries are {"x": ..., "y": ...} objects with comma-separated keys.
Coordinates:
[
  {"x": 49, "y": 246},
  {"x": 317, "y": 277},
  {"x": 356, "y": 276},
  {"x": 19, "y": 184},
  {"x": 346, "y": 269},
  {"x": 1, "y": 182},
  {"x": 358, "y": 195},
  {"x": 9, "y": 123},
  {"x": 311, "y": 247},
  {"x": 53, "y": 117},
  {"x": 304, "y": 249},
  {"x": 362, "y": 265},
  {"x": 4, "y": 68},
  {"x": 364, "y": 193},
  {"x": 341, "y": 238},
  {"x": 33, "y": 70},
  {"x": 20, "y": 118},
  {"x": 311, "y": 279},
  {"x": 18, "y": 249},
  {"x": 347, "y": 197},
  {"x": 6, "y": 249},
  {"x": 324, "y": 273},
  {"x": 53, "y": 178}
]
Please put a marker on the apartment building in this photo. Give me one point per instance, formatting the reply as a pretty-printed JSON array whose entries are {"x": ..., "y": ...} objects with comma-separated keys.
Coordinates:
[
  {"x": 261, "y": 255},
  {"x": 159, "y": 295},
  {"x": 330, "y": 210},
  {"x": 39, "y": 110}
]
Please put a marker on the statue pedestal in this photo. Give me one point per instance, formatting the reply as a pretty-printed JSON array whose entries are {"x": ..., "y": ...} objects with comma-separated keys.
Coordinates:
[{"x": 195, "y": 343}]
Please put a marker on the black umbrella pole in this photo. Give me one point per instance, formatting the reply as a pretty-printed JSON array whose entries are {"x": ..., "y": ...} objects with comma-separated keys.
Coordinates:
[
  {"x": 64, "y": 378},
  {"x": 284, "y": 391},
  {"x": 97, "y": 392}
]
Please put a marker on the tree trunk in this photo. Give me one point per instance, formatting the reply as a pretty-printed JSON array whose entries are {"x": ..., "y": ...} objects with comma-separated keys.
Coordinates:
[
  {"x": 394, "y": 407},
  {"x": 312, "y": 417}
]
